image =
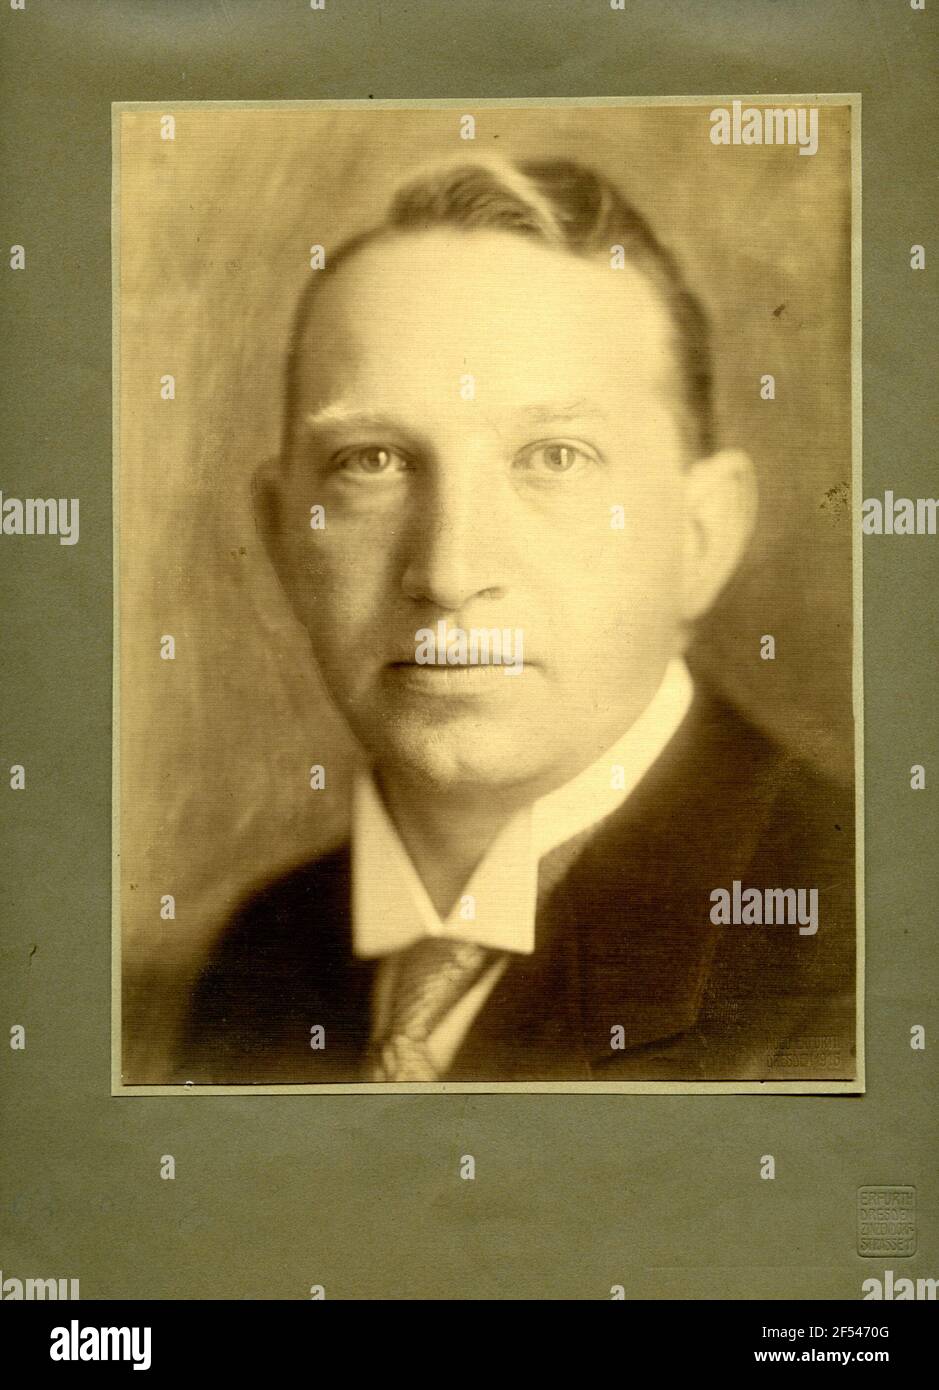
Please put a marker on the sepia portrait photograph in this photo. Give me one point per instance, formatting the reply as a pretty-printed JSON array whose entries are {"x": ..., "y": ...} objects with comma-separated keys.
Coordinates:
[{"x": 487, "y": 611}]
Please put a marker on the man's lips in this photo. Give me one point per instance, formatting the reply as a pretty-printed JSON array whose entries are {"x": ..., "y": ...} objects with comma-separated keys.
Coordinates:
[
  {"x": 464, "y": 680},
  {"x": 454, "y": 666}
]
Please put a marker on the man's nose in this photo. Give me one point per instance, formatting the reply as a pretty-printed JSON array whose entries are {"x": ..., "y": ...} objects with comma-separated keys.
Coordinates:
[{"x": 458, "y": 541}]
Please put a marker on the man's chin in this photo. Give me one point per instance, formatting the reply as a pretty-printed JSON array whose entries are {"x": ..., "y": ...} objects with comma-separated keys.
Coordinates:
[{"x": 449, "y": 759}]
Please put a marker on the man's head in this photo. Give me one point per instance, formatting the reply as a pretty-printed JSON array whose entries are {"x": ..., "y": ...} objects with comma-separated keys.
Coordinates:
[{"x": 501, "y": 397}]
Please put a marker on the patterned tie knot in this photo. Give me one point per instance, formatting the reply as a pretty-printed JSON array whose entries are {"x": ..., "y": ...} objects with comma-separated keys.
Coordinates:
[{"x": 433, "y": 976}]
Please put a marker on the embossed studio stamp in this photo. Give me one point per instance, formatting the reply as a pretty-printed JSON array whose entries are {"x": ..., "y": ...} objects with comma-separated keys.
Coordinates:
[{"x": 886, "y": 1221}]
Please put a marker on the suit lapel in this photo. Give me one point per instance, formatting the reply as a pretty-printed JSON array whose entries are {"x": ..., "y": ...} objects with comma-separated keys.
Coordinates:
[
  {"x": 624, "y": 939},
  {"x": 336, "y": 985}
]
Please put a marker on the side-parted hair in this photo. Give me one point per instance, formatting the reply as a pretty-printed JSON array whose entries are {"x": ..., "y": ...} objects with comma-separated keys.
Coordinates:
[{"x": 563, "y": 204}]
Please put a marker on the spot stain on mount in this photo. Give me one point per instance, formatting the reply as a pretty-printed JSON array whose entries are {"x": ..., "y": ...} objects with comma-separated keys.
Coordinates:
[
  {"x": 784, "y": 317},
  {"x": 835, "y": 501}
]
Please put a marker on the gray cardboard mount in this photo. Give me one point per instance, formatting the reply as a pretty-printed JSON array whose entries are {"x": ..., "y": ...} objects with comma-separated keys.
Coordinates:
[{"x": 573, "y": 1193}]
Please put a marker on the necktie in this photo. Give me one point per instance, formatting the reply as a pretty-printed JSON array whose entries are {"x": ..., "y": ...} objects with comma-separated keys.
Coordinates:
[{"x": 433, "y": 975}]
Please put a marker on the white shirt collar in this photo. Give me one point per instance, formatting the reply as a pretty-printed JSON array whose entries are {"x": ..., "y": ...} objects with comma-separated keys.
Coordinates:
[{"x": 391, "y": 908}]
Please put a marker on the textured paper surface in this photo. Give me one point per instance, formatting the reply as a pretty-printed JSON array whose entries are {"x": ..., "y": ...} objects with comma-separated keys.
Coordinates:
[
  {"x": 573, "y": 1194},
  {"x": 211, "y": 748}
]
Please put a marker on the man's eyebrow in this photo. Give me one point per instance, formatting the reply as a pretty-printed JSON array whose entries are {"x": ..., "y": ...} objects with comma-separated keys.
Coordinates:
[
  {"x": 545, "y": 413},
  {"x": 338, "y": 413}
]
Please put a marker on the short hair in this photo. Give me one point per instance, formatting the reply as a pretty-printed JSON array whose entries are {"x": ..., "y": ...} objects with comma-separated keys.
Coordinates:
[{"x": 566, "y": 205}]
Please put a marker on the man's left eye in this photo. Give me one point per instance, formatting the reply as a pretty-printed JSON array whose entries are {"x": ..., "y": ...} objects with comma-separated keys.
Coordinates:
[
  {"x": 372, "y": 461},
  {"x": 554, "y": 458}
]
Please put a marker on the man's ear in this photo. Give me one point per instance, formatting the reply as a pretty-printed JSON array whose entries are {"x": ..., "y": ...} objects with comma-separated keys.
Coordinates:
[
  {"x": 720, "y": 507},
  {"x": 266, "y": 504}
]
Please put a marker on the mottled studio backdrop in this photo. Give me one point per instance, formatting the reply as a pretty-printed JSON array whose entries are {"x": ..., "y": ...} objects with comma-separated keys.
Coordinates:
[{"x": 215, "y": 234}]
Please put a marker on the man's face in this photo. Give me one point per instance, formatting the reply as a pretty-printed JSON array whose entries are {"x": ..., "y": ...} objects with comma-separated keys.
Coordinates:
[{"x": 494, "y": 511}]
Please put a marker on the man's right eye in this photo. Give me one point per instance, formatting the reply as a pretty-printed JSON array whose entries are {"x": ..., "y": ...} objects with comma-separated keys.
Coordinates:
[{"x": 372, "y": 461}]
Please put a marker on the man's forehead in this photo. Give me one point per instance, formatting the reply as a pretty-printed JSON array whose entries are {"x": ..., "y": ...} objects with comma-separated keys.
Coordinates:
[{"x": 416, "y": 311}]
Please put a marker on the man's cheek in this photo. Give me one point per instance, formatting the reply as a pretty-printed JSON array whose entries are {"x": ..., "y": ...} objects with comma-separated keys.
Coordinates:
[
  {"x": 647, "y": 570},
  {"x": 347, "y": 608}
]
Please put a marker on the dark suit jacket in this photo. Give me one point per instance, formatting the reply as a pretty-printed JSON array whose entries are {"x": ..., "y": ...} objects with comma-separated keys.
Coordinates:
[{"x": 624, "y": 941}]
